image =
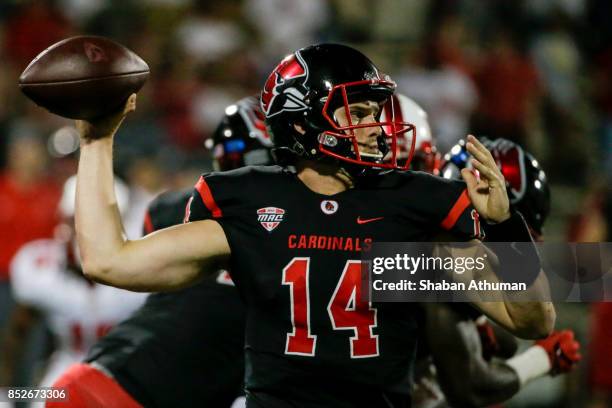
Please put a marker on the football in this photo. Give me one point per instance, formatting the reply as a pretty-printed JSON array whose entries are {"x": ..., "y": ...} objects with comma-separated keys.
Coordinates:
[{"x": 84, "y": 77}]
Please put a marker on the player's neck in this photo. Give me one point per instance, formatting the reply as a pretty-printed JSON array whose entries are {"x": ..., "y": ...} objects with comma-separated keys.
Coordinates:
[{"x": 323, "y": 178}]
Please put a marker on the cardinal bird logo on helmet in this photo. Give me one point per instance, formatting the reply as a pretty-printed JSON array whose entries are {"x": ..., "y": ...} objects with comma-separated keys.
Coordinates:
[{"x": 285, "y": 90}]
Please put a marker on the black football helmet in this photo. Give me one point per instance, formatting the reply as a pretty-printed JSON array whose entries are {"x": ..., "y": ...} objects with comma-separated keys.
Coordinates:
[
  {"x": 526, "y": 182},
  {"x": 241, "y": 139},
  {"x": 308, "y": 86}
]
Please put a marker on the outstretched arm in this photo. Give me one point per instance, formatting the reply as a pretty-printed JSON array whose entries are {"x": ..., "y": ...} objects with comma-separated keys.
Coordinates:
[
  {"x": 487, "y": 192},
  {"x": 524, "y": 319},
  {"x": 166, "y": 260}
]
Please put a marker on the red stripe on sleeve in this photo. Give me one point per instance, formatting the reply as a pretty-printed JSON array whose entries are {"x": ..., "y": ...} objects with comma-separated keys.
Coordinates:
[
  {"x": 207, "y": 198},
  {"x": 453, "y": 215},
  {"x": 148, "y": 224}
]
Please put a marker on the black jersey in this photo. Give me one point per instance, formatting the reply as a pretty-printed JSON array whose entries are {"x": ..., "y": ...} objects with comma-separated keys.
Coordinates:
[
  {"x": 310, "y": 339},
  {"x": 180, "y": 349}
]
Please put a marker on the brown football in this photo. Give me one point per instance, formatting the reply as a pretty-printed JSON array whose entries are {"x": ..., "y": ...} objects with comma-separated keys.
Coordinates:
[{"x": 83, "y": 77}]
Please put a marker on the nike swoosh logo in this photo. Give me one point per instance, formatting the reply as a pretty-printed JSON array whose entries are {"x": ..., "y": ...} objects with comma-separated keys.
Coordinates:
[{"x": 366, "y": 220}]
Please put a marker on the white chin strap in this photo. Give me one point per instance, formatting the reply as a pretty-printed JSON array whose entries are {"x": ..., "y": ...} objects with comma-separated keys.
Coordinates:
[{"x": 378, "y": 155}]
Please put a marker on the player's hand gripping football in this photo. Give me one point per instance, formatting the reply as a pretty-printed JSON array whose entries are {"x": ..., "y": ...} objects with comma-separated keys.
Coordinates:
[
  {"x": 487, "y": 192},
  {"x": 106, "y": 126},
  {"x": 562, "y": 349}
]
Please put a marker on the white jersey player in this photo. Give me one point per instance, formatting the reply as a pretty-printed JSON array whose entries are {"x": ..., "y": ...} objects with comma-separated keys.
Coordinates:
[
  {"x": 426, "y": 156},
  {"x": 46, "y": 275}
]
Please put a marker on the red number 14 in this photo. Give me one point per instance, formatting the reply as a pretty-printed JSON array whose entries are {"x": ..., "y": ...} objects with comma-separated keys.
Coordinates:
[{"x": 346, "y": 310}]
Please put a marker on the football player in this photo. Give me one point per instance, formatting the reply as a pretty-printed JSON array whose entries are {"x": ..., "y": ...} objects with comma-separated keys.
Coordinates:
[
  {"x": 46, "y": 275},
  {"x": 197, "y": 334},
  {"x": 461, "y": 343},
  {"x": 292, "y": 238}
]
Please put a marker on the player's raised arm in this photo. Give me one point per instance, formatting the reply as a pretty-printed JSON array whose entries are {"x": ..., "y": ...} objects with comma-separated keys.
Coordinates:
[
  {"x": 524, "y": 319},
  {"x": 527, "y": 320},
  {"x": 168, "y": 259},
  {"x": 489, "y": 197}
]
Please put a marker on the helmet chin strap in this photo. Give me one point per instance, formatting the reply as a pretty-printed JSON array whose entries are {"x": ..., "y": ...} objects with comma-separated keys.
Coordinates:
[
  {"x": 371, "y": 155},
  {"x": 343, "y": 147}
]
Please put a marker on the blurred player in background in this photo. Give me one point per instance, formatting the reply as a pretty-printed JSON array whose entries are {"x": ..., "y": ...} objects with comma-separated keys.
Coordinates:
[
  {"x": 46, "y": 276},
  {"x": 426, "y": 156},
  {"x": 241, "y": 139},
  {"x": 471, "y": 368},
  {"x": 27, "y": 192},
  {"x": 185, "y": 347}
]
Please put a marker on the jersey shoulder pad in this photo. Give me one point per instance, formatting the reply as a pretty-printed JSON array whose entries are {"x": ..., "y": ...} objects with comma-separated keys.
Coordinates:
[
  {"x": 414, "y": 181},
  {"x": 222, "y": 194},
  {"x": 444, "y": 202}
]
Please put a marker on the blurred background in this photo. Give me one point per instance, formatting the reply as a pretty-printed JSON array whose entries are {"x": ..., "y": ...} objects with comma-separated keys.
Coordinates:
[{"x": 538, "y": 72}]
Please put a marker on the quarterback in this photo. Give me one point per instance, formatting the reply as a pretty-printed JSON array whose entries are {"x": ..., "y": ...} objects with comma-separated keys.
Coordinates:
[{"x": 311, "y": 340}]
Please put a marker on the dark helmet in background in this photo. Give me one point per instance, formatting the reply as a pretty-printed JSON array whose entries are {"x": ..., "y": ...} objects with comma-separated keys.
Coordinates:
[
  {"x": 526, "y": 182},
  {"x": 305, "y": 90},
  {"x": 241, "y": 139}
]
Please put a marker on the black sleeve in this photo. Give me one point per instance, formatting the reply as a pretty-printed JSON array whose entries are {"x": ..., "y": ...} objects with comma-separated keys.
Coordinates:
[
  {"x": 166, "y": 210},
  {"x": 202, "y": 204},
  {"x": 217, "y": 196}
]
